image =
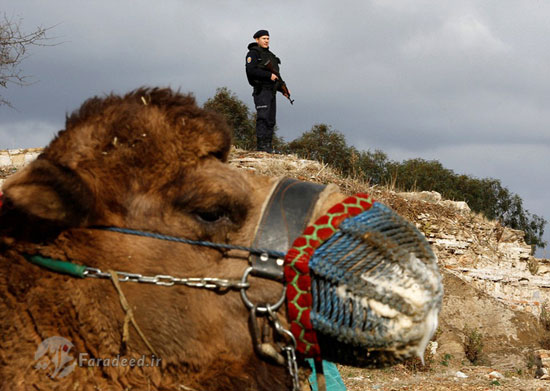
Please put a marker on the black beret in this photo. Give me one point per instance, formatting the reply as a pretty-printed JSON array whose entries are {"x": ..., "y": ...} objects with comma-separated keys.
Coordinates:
[{"x": 261, "y": 33}]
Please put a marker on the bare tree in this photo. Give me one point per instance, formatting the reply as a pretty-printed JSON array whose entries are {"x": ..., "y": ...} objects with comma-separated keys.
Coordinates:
[{"x": 14, "y": 44}]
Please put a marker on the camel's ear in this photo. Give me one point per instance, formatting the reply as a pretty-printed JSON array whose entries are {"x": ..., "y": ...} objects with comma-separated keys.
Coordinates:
[{"x": 44, "y": 193}]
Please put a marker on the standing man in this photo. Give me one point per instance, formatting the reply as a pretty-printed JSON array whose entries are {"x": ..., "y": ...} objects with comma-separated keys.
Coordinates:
[{"x": 262, "y": 71}]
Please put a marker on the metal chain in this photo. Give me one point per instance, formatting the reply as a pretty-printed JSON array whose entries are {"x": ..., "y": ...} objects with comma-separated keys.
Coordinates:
[
  {"x": 166, "y": 280},
  {"x": 292, "y": 366},
  {"x": 289, "y": 348}
]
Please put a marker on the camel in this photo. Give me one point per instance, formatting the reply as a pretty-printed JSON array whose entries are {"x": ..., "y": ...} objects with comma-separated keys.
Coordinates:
[{"x": 149, "y": 161}]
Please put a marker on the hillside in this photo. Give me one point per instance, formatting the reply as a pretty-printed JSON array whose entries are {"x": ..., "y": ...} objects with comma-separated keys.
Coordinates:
[{"x": 492, "y": 285}]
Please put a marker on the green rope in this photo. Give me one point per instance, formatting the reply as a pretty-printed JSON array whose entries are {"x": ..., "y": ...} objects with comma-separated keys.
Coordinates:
[{"x": 57, "y": 266}]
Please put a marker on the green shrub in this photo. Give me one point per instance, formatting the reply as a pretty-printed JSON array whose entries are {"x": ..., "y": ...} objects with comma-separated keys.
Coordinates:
[
  {"x": 473, "y": 345},
  {"x": 326, "y": 145},
  {"x": 237, "y": 115},
  {"x": 446, "y": 359}
]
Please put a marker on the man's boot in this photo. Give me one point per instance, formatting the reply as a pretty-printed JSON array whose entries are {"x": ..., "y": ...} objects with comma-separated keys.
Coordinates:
[{"x": 264, "y": 145}]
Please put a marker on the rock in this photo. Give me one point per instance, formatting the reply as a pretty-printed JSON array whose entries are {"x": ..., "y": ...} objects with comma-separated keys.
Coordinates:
[
  {"x": 541, "y": 372},
  {"x": 542, "y": 360},
  {"x": 427, "y": 196},
  {"x": 460, "y": 206},
  {"x": 432, "y": 347},
  {"x": 495, "y": 375},
  {"x": 5, "y": 159},
  {"x": 461, "y": 375}
]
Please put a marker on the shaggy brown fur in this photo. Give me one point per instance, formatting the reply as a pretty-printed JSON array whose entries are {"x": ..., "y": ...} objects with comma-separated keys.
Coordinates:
[{"x": 150, "y": 160}]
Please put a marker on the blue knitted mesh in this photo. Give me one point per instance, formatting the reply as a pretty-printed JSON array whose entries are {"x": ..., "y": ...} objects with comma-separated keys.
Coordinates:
[{"x": 361, "y": 280}]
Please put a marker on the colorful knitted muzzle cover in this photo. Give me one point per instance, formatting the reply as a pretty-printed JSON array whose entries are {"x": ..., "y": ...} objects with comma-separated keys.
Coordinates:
[
  {"x": 364, "y": 278},
  {"x": 297, "y": 273}
]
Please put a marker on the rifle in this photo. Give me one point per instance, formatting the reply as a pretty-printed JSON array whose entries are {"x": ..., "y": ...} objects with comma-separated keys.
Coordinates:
[{"x": 280, "y": 82}]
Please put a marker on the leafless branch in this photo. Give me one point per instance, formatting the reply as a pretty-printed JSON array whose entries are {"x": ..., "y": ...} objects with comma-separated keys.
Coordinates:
[{"x": 14, "y": 45}]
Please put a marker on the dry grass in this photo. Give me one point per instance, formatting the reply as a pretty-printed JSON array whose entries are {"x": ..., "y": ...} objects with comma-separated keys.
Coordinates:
[{"x": 295, "y": 167}]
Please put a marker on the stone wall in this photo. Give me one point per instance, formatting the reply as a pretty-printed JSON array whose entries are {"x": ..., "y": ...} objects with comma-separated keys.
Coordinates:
[
  {"x": 17, "y": 158},
  {"x": 493, "y": 258}
]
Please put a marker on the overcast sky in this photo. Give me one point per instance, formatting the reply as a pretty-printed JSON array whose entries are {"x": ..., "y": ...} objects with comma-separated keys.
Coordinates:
[{"x": 466, "y": 83}]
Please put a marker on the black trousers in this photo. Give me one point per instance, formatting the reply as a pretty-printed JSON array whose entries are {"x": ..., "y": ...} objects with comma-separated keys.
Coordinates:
[{"x": 266, "y": 109}]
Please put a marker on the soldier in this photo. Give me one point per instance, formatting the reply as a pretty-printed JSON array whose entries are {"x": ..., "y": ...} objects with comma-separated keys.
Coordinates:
[{"x": 266, "y": 83}]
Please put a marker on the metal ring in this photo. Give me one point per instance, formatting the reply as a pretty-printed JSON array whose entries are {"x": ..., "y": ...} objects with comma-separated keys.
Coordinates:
[{"x": 260, "y": 309}]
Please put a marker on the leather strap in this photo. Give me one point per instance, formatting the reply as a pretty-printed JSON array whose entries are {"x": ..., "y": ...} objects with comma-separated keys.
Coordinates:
[{"x": 286, "y": 216}]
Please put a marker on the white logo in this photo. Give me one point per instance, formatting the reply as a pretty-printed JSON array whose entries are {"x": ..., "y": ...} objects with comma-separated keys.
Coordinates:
[{"x": 55, "y": 351}]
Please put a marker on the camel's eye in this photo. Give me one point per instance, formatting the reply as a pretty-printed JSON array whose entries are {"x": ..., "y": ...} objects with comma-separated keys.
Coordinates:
[{"x": 211, "y": 216}]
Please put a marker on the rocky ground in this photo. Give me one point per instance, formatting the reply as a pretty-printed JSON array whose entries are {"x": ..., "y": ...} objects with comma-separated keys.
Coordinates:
[
  {"x": 494, "y": 312},
  {"x": 442, "y": 378}
]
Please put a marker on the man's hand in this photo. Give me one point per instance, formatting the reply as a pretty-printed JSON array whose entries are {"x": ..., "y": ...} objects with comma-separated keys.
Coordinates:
[
  {"x": 287, "y": 94},
  {"x": 274, "y": 77}
]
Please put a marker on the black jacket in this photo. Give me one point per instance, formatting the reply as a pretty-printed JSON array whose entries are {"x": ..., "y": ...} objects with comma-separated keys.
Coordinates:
[{"x": 256, "y": 60}]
